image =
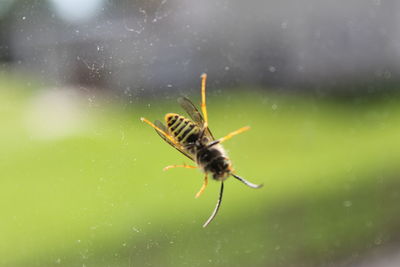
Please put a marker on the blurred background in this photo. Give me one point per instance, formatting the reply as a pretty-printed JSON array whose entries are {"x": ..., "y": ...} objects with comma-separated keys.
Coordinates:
[{"x": 81, "y": 180}]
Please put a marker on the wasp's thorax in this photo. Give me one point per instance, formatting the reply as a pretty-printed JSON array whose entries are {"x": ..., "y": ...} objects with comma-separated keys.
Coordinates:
[{"x": 211, "y": 159}]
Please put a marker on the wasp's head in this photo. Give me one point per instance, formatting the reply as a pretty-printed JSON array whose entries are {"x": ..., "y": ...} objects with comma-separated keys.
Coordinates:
[{"x": 221, "y": 169}]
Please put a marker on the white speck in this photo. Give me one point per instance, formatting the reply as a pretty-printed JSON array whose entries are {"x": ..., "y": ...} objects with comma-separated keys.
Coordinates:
[
  {"x": 79, "y": 241},
  {"x": 347, "y": 203},
  {"x": 135, "y": 229},
  {"x": 23, "y": 18},
  {"x": 387, "y": 74},
  {"x": 272, "y": 69},
  {"x": 377, "y": 2},
  {"x": 378, "y": 240},
  {"x": 169, "y": 85},
  {"x": 227, "y": 68}
]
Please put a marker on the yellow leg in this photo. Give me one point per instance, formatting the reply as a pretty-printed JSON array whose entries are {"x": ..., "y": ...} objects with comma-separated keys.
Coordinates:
[
  {"x": 179, "y": 166},
  {"x": 170, "y": 138},
  {"x": 203, "y": 187},
  {"x": 232, "y": 134},
  {"x": 203, "y": 99}
]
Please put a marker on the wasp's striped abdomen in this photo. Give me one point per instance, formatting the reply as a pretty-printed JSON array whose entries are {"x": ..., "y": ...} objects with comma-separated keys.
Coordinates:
[{"x": 183, "y": 130}]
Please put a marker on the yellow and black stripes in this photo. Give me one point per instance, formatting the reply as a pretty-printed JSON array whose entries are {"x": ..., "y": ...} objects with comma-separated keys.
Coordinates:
[{"x": 182, "y": 129}]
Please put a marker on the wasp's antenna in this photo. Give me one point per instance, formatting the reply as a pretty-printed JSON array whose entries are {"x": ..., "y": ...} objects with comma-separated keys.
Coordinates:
[
  {"x": 216, "y": 207},
  {"x": 247, "y": 182}
]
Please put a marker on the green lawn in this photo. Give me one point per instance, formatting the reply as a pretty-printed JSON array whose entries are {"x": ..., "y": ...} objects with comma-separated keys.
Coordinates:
[{"x": 86, "y": 187}]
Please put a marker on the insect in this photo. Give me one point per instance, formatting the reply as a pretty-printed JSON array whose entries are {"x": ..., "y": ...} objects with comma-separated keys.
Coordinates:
[{"x": 193, "y": 138}]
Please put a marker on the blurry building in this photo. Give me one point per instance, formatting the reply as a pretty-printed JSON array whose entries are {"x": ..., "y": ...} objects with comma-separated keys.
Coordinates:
[{"x": 158, "y": 45}]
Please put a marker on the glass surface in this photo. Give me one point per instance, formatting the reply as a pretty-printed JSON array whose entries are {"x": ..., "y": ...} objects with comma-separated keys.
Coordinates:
[{"x": 81, "y": 176}]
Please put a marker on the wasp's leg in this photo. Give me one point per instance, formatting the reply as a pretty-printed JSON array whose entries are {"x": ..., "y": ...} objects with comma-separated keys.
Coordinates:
[
  {"x": 203, "y": 99},
  {"x": 169, "y": 137},
  {"x": 203, "y": 187},
  {"x": 232, "y": 134},
  {"x": 229, "y": 136},
  {"x": 179, "y": 166}
]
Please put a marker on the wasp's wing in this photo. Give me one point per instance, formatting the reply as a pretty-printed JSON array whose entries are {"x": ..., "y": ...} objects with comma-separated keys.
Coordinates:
[
  {"x": 163, "y": 128},
  {"x": 195, "y": 114}
]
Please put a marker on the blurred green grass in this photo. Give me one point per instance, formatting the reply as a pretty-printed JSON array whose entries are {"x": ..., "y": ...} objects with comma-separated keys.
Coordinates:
[{"x": 97, "y": 195}]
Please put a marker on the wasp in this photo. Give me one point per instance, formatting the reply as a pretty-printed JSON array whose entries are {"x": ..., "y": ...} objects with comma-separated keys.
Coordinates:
[{"x": 193, "y": 138}]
